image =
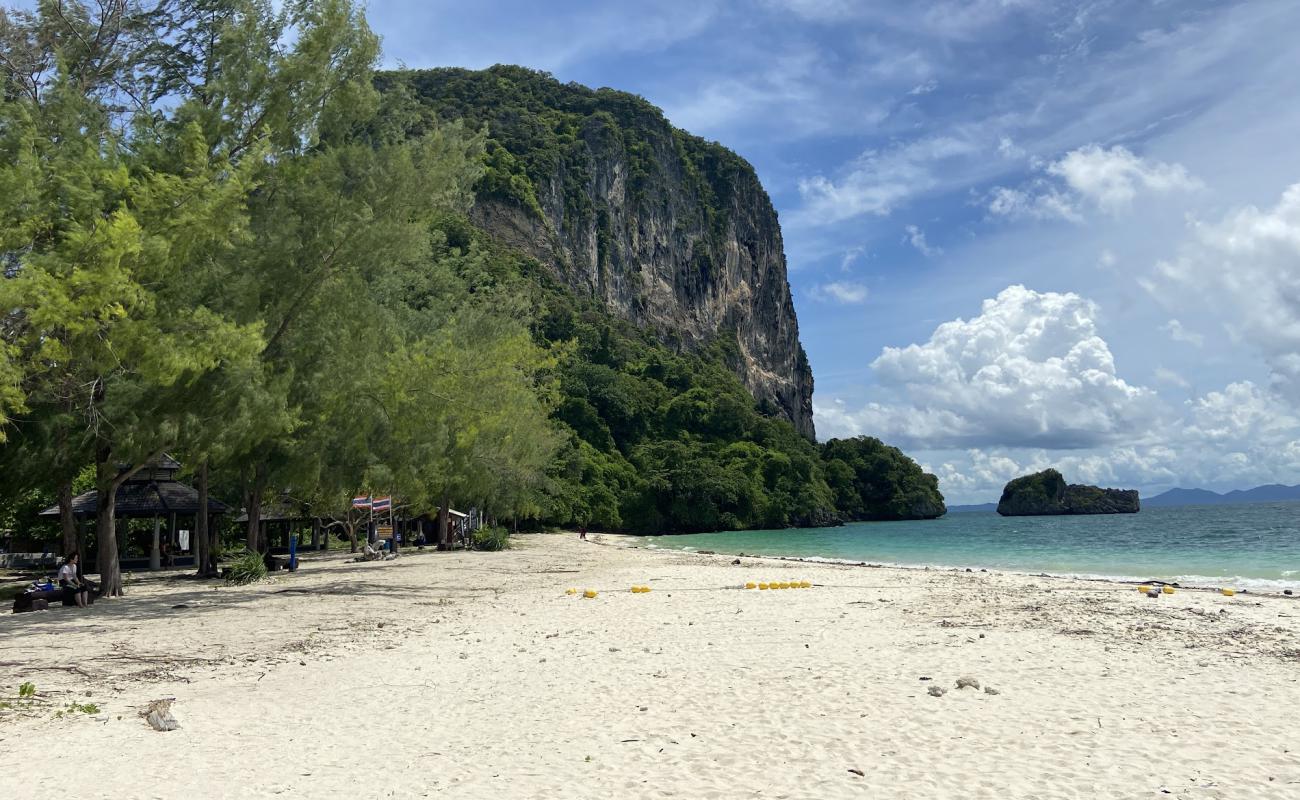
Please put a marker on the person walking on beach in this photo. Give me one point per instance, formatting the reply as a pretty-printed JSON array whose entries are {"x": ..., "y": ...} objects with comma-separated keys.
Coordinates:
[{"x": 582, "y": 532}]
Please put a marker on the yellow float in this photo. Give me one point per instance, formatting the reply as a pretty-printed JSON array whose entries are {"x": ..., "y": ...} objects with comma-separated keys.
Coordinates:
[
  {"x": 590, "y": 593},
  {"x": 762, "y": 586},
  {"x": 1144, "y": 589},
  {"x": 1168, "y": 590},
  {"x": 805, "y": 585},
  {"x": 570, "y": 591},
  {"x": 1228, "y": 592},
  {"x": 784, "y": 585},
  {"x": 751, "y": 585}
]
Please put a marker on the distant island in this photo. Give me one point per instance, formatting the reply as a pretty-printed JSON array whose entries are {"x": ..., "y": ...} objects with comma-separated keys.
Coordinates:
[
  {"x": 1272, "y": 493},
  {"x": 1046, "y": 493}
]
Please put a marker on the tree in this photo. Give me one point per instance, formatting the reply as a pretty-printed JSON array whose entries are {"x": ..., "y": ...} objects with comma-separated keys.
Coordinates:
[{"x": 139, "y": 183}]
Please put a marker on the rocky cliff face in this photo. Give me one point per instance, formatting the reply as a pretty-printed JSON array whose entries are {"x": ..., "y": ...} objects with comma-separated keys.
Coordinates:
[
  {"x": 671, "y": 232},
  {"x": 1046, "y": 493}
]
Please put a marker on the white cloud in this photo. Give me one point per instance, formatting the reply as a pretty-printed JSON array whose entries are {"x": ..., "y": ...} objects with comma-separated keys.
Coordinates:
[
  {"x": 850, "y": 257},
  {"x": 876, "y": 181},
  {"x": 1246, "y": 270},
  {"x": 924, "y": 88},
  {"x": 1109, "y": 180},
  {"x": 916, "y": 237},
  {"x": 1030, "y": 371},
  {"x": 1112, "y": 178},
  {"x": 1036, "y": 201},
  {"x": 842, "y": 292},
  {"x": 1168, "y": 376},
  {"x": 1179, "y": 333}
]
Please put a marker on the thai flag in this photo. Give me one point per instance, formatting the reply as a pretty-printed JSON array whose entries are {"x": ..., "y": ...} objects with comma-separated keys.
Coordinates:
[
  {"x": 381, "y": 504},
  {"x": 361, "y": 502}
]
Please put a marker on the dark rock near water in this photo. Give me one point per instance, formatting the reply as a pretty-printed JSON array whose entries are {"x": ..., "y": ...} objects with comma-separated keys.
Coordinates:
[{"x": 1046, "y": 493}]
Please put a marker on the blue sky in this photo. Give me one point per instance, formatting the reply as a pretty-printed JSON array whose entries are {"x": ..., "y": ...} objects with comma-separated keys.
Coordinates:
[{"x": 1020, "y": 233}]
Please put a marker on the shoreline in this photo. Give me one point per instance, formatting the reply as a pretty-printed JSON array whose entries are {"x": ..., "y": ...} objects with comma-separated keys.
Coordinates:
[
  {"x": 470, "y": 674},
  {"x": 1282, "y": 585}
]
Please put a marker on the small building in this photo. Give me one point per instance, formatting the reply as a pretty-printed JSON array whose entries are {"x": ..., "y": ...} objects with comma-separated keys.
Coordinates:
[{"x": 152, "y": 493}]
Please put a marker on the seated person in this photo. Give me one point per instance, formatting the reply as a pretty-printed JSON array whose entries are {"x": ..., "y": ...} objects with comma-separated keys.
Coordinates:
[{"x": 74, "y": 588}]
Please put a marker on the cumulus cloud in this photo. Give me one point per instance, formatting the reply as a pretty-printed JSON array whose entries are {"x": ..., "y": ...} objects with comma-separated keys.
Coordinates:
[
  {"x": 1246, "y": 269},
  {"x": 1107, "y": 179},
  {"x": 1030, "y": 371},
  {"x": 842, "y": 292},
  {"x": 916, "y": 238},
  {"x": 1111, "y": 178}
]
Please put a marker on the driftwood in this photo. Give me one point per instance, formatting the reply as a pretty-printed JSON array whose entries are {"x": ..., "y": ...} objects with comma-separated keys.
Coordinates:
[{"x": 159, "y": 716}]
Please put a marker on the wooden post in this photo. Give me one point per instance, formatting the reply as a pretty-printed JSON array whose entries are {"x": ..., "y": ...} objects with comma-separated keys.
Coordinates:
[{"x": 155, "y": 558}]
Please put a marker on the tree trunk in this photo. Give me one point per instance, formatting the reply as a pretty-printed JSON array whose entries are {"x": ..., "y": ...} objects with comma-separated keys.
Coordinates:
[
  {"x": 81, "y": 548},
  {"x": 110, "y": 571},
  {"x": 444, "y": 532},
  {"x": 315, "y": 533},
  {"x": 254, "y": 508},
  {"x": 201, "y": 524},
  {"x": 66, "y": 521}
]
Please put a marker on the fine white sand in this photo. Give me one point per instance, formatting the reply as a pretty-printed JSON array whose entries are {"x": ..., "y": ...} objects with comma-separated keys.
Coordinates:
[{"x": 475, "y": 675}]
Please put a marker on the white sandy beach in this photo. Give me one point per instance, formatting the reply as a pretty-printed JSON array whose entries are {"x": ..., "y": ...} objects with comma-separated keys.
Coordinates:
[{"x": 475, "y": 675}]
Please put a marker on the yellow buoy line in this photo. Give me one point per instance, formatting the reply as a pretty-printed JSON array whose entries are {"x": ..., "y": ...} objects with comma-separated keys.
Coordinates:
[
  {"x": 1148, "y": 589},
  {"x": 779, "y": 585}
]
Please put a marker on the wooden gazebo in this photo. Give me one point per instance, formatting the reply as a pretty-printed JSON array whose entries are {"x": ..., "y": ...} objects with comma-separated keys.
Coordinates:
[{"x": 153, "y": 492}]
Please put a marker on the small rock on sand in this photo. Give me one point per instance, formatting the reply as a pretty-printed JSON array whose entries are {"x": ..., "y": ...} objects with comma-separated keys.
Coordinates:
[
  {"x": 991, "y": 690},
  {"x": 967, "y": 683},
  {"x": 937, "y": 691}
]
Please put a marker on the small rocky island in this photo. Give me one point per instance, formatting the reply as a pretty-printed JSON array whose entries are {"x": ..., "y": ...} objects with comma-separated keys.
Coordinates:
[{"x": 1046, "y": 493}]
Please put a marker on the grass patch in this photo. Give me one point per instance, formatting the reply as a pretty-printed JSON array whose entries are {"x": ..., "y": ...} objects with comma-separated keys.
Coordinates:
[
  {"x": 491, "y": 539},
  {"x": 245, "y": 569}
]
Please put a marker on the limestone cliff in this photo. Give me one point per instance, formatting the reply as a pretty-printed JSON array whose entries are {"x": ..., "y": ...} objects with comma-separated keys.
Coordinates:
[
  {"x": 670, "y": 232},
  {"x": 1046, "y": 493}
]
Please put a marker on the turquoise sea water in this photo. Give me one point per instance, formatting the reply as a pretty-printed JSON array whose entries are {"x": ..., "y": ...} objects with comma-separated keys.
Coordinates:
[{"x": 1247, "y": 546}]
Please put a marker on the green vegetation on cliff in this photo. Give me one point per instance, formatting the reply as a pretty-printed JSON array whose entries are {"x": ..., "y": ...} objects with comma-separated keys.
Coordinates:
[{"x": 539, "y": 128}]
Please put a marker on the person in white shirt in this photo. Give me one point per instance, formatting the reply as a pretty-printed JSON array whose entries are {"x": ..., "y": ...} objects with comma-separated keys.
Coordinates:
[{"x": 73, "y": 586}]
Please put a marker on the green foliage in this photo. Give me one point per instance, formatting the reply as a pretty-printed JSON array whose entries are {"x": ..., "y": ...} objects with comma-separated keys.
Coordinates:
[
  {"x": 543, "y": 135},
  {"x": 492, "y": 539},
  {"x": 1044, "y": 489},
  {"x": 873, "y": 481},
  {"x": 246, "y": 568},
  {"x": 27, "y": 690}
]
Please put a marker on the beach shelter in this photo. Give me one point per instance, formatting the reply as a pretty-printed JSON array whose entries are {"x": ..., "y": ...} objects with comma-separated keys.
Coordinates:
[
  {"x": 152, "y": 493},
  {"x": 283, "y": 517}
]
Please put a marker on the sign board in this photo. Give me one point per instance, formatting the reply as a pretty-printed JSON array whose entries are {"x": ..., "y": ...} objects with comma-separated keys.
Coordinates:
[{"x": 383, "y": 531}]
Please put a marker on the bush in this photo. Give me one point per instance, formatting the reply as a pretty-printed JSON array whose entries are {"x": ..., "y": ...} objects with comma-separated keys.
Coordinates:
[
  {"x": 492, "y": 539},
  {"x": 247, "y": 568}
]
